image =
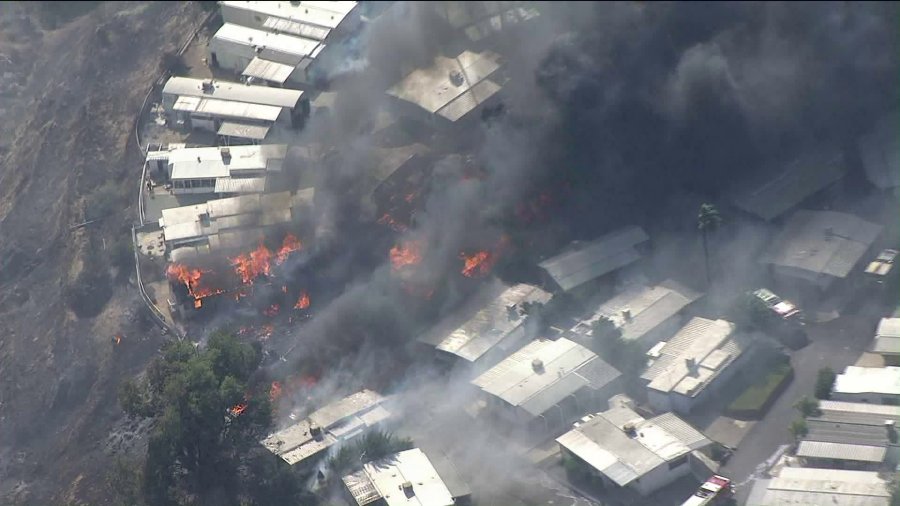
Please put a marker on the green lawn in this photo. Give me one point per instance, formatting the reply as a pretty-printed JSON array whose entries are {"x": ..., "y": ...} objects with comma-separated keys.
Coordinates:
[{"x": 754, "y": 398}]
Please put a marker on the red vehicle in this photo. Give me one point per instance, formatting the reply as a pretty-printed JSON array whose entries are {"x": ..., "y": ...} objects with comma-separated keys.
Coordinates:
[{"x": 716, "y": 490}]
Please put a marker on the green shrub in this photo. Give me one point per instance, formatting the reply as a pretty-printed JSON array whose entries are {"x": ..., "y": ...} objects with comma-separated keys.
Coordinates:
[
  {"x": 824, "y": 383},
  {"x": 756, "y": 396}
]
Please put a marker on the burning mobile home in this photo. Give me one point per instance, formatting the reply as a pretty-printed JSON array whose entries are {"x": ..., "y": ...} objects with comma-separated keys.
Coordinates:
[
  {"x": 586, "y": 262},
  {"x": 495, "y": 330},
  {"x": 395, "y": 182},
  {"x": 451, "y": 89},
  {"x": 481, "y": 21},
  {"x": 221, "y": 170},
  {"x": 304, "y": 442},
  {"x": 547, "y": 384}
]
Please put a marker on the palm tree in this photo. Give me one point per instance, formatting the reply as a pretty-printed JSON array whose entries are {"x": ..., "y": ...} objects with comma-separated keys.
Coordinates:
[{"x": 708, "y": 220}]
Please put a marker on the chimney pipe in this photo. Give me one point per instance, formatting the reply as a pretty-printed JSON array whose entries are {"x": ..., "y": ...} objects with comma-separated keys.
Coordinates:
[
  {"x": 538, "y": 365},
  {"x": 626, "y": 314}
]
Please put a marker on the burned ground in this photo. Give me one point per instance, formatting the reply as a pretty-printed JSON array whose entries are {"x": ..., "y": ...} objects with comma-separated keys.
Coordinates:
[{"x": 70, "y": 99}]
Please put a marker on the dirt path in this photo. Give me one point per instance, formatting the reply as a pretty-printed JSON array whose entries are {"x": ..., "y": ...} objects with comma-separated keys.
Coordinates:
[{"x": 71, "y": 133}]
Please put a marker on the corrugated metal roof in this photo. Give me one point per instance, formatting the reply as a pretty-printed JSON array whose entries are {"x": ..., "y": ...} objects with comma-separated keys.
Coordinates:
[
  {"x": 339, "y": 420},
  {"x": 807, "y": 486},
  {"x": 822, "y": 242},
  {"x": 432, "y": 88},
  {"x": 302, "y": 12},
  {"x": 603, "y": 443},
  {"x": 276, "y": 24},
  {"x": 840, "y": 451},
  {"x": 515, "y": 381},
  {"x": 240, "y": 185},
  {"x": 493, "y": 323},
  {"x": 268, "y": 70},
  {"x": 857, "y": 412},
  {"x": 843, "y": 432},
  {"x": 868, "y": 380},
  {"x": 596, "y": 258},
  {"x": 702, "y": 341},
  {"x": 791, "y": 185},
  {"x": 244, "y": 130},
  {"x": 888, "y": 327},
  {"x": 648, "y": 307},
  {"x": 880, "y": 152},
  {"x": 298, "y": 47},
  {"x": 236, "y": 92},
  {"x": 385, "y": 479}
]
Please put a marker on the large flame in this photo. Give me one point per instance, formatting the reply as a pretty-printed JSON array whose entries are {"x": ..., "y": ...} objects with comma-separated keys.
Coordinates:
[
  {"x": 191, "y": 279},
  {"x": 275, "y": 391},
  {"x": 272, "y": 310},
  {"x": 406, "y": 253},
  {"x": 302, "y": 301},
  {"x": 395, "y": 225},
  {"x": 477, "y": 265},
  {"x": 250, "y": 266},
  {"x": 288, "y": 246}
]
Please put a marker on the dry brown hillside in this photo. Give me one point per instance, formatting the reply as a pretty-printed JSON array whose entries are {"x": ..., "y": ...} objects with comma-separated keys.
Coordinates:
[{"x": 70, "y": 88}]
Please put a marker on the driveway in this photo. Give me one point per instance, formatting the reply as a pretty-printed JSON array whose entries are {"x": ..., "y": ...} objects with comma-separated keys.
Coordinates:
[{"x": 835, "y": 344}]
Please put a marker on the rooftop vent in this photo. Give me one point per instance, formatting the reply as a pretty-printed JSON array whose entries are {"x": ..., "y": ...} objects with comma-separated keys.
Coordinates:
[
  {"x": 456, "y": 78},
  {"x": 407, "y": 488},
  {"x": 630, "y": 430},
  {"x": 315, "y": 431},
  {"x": 626, "y": 314},
  {"x": 691, "y": 365},
  {"x": 226, "y": 155},
  {"x": 538, "y": 365},
  {"x": 207, "y": 86}
]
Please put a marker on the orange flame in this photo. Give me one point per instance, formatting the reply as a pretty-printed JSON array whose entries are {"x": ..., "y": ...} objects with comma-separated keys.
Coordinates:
[
  {"x": 406, "y": 253},
  {"x": 191, "y": 279},
  {"x": 477, "y": 265},
  {"x": 303, "y": 301},
  {"x": 288, "y": 246},
  {"x": 250, "y": 266},
  {"x": 275, "y": 391},
  {"x": 267, "y": 330},
  {"x": 117, "y": 339},
  {"x": 272, "y": 310},
  {"x": 238, "y": 409}
]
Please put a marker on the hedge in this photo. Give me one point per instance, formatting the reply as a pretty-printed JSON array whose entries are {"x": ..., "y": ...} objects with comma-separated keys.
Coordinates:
[{"x": 757, "y": 398}]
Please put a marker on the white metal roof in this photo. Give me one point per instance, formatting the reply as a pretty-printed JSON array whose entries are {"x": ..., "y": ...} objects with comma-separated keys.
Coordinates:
[
  {"x": 494, "y": 322},
  {"x": 868, "y": 380},
  {"x": 648, "y": 307},
  {"x": 858, "y": 412},
  {"x": 841, "y": 451},
  {"x": 880, "y": 152},
  {"x": 261, "y": 40},
  {"x": 276, "y": 24},
  {"x": 340, "y": 420},
  {"x": 268, "y": 70},
  {"x": 566, "y": 368},
  {"x": 595, "y": 258},
  {"x": 240, "y": 185},
  {"x": 603, "y": 443},
  {"x": 385, "y": 479},
  {"x": 822, "y": 242},
  {"x": 433, "y": 88},
  {"x": 785, "y": 188},
  {"x": 887, "y": 337},
  {"x": 227, "y": 108},
  {"x": 708, "y": 343},
  {"x": 235, "y": 92},
  {"x": 210, "y": 162},
  {"x": 243, "y": 130},
  {"x": 798, "y": 486},
  {"x": 313, "y": 13}
]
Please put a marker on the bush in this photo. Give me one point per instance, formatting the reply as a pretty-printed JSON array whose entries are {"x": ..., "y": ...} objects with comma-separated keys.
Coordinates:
[
  {"x": 808, "y": 407},
  {"x": 824, "y": 383},
  {"x": 798, "y": 428},
  {"x": 759, "y": 395}
]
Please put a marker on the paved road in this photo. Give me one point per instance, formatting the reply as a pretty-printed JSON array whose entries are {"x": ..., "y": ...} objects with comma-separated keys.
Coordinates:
[{"x": 836, "y": 344}]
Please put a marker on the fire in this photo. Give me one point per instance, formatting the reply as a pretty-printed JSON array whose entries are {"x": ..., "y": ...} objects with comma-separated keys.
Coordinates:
[
  {"x": 191, "y": 279},
  {"x": 303, "y": 301},
  {"x": 266, "y": 332},
  {"x": 283, "y": 288},
  {"x": 238, "y": 409},
  {"x": 288, "y": 246},
  {"x": 275, "y": 391},
  {"x": 395, "y": 225},
  {"x": 117, "y": 339},
  {"x": 250, "y": 266},
  {"x": 477, "y": 265},
  {"x": 272, "y": 310},
  {"x": 407, "y": 253}
]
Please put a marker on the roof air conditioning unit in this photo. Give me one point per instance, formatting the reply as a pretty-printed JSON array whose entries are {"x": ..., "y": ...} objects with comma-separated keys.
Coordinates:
[
  {"x": 207, "y": 86},
  {"x": 630, "y": 430},
  {"x": 456, "y": 78}
]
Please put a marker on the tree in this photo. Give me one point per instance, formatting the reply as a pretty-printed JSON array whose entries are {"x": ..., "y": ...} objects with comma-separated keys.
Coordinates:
[
  {"x": 206, "y": 417},
  {"x": 824, "y": 383},
  {"x": 624, "y": 354},
  {"x": 798, "y": 428},
  {"x": 808, "y": 407},
  {"x": 372, "y": 446},
  {"x": 708, "y": 221}
]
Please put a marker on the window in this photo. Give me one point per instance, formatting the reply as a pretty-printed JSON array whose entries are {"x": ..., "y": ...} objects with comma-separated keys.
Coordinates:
[{"x": 678, "y": 462}]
